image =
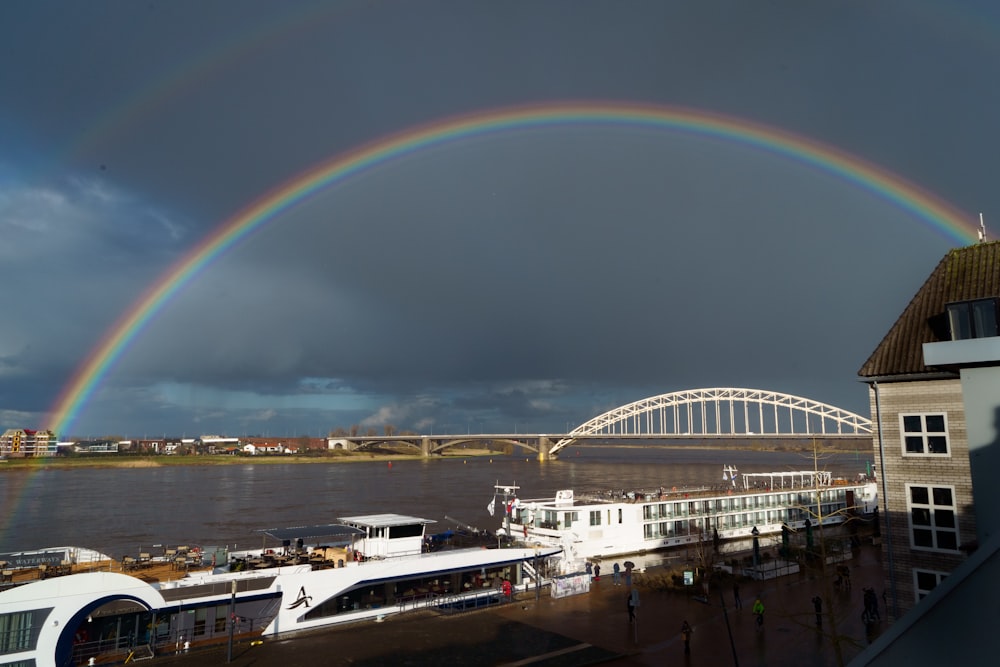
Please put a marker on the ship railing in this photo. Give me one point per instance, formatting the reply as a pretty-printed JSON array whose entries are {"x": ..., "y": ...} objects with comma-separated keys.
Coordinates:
[
  {"x": 102, "y": 649},
  {"x": 464, "y": 601}
]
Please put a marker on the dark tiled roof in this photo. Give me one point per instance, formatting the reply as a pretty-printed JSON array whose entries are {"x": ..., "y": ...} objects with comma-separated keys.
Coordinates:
[{"x": 966, "y": 273}]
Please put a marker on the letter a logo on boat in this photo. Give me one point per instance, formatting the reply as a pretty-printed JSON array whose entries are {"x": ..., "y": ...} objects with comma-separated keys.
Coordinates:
[{"x": 303, "y": 599}]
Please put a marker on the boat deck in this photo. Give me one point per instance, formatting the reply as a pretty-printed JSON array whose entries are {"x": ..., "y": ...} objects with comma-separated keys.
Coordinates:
[
  {"x": 151, "y": 571},
  {"x": 757, "y": 485}
]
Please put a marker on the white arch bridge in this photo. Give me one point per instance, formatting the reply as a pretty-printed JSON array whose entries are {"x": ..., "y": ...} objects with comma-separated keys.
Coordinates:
[{"x": 692, "y": 414}]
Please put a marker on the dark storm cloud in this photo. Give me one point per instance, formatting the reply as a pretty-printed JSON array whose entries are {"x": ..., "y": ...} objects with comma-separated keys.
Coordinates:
[{"x": 530, "y": 277}]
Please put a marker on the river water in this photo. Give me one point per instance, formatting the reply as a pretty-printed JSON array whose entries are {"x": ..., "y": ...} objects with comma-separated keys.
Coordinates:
[{"x": 123, "y": 511}]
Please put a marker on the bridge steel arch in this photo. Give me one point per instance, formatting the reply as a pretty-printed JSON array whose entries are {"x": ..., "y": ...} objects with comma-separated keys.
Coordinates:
[{"x": 721, "y": 411}]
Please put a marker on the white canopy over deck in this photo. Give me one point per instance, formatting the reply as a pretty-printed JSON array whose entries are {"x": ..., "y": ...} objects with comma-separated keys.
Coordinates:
[{"x": 804, "y": 479}]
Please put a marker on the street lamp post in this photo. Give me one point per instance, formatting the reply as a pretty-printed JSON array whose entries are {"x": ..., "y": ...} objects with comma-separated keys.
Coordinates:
[
  {"x": 232, "y": 622},
  {"x": 538, "y": 591}
]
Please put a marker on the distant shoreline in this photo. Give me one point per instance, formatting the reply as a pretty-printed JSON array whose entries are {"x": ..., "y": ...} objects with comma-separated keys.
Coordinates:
[
  {"x": 158, "y": 461},
  {"x": 162, "y": 461}
]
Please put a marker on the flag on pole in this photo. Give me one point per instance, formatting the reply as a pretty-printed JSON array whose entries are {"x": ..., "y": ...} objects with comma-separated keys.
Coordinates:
[{"x": 490, "y": 507}]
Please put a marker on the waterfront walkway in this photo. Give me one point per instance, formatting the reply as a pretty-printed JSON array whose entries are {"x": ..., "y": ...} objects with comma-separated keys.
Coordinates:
[{"x": 594, "y": 628}]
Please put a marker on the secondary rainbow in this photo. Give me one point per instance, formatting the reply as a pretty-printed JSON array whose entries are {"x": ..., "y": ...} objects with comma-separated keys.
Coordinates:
[{"x": 956, "y": 225}]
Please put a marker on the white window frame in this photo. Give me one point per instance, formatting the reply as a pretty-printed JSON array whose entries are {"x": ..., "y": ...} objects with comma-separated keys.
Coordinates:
[
  {"x": 933, "y": 527},
  {"x": 924, "y": 434},
  {"x": 919, "y": 593}
]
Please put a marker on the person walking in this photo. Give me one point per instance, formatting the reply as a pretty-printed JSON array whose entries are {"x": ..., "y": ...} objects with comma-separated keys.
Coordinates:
[
  {"x": 597, "y": 571},
  {"x": 617, "y": 570},
  {"x": 686, "y": 635},
  {"x": 630, "y": 603},
  {"x": 758, "y": 611},
  {"x": 737, "y": 601},
  {"x": 818, "y": 608},
  {"x": 871, "y": 606}
]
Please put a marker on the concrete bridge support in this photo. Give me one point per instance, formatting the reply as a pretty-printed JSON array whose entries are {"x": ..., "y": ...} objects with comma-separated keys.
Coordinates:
[
  {"x": 545, "y": 449},
  {"x": 425, "y": 446}
]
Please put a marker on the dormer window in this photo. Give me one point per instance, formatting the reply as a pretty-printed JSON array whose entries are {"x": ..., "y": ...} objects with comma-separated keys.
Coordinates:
[{"x": 974, "y": 319}]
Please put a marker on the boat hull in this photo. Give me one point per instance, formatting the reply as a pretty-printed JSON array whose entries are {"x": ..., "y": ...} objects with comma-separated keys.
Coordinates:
[
  {"x": 67, "y": 613},
  {"x": 619, "y": 524}
]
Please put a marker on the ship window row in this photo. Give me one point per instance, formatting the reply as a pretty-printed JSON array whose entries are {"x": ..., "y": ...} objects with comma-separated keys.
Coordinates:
[
  {"x": 745, "y": 520},
  {"x": 550, "y": 519},
  {"x": 378, "y": 595},
  {"x": 656, "y": 511},
  {"x": 19, "y": 630}
]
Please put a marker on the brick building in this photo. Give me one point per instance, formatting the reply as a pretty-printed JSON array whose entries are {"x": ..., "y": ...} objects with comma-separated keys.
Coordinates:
[
  {"x": 934, "y": 388},
  {"x": 25, "y": 443}
]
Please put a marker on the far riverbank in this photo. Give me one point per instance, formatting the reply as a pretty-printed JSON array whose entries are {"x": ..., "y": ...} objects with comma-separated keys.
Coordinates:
[
  {"x": 339, "y": 456},
  {"x": 159, "y": 461}
]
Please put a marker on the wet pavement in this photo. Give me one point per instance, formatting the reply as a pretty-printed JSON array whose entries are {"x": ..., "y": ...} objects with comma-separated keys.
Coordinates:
[{"x": 594, "y": 628}]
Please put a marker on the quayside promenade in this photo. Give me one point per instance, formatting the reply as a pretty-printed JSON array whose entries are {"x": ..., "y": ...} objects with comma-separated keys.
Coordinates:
[{"x": 594, "y": 628}]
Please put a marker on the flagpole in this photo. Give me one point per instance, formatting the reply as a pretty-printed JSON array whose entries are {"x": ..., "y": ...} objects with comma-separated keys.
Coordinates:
[{"x": 507, "y": 491}]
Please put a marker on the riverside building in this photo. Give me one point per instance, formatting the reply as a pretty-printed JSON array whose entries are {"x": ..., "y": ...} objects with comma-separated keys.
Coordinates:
[
  {"x": 934, "y": 390},
  {"x": 25, "y": 443}
]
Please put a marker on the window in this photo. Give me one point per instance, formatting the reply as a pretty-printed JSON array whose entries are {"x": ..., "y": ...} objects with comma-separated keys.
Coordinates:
[
  {"x": 595, "y": 518},
  {"x": 973, "y": 319},
  {"x": 933, "y": 520},
  {"x": 19, "y": 630},
  {"x": 200, "y": 621},
  {"x": 924, "y": 434},
  {"x": 221, "y": 613},
  {"x": 924, "y": 581}
]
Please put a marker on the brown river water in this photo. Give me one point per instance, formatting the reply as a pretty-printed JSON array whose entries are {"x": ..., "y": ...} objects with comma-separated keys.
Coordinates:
[{"x": 127, "y": 510}]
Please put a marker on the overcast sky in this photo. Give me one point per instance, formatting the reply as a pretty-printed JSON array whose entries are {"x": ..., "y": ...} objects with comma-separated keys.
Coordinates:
[{"x": 526, "y": 280}]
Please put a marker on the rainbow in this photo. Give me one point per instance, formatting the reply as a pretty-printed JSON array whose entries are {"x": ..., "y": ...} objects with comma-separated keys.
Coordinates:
[
  {"x": 197, "y": 69},
  {"x": 954, "y": 224}
]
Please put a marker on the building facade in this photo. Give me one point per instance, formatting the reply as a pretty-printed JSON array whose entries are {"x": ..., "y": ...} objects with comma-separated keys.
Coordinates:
[
  {"x": 26, "y": 443},
  {"x": 920, "y": 406}
]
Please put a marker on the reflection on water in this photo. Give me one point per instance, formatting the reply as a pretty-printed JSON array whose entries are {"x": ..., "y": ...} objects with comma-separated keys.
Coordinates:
[{"x": 127, "y": 510}]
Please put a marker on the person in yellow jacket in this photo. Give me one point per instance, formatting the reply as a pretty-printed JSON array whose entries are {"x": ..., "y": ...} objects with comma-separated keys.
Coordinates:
[{"x": 758, "y": 611}]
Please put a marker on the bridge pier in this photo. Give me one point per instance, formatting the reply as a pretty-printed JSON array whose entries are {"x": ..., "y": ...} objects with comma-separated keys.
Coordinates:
[
  {"x": 544, "y": 449},
  {"x": 425, "y": 446}
]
